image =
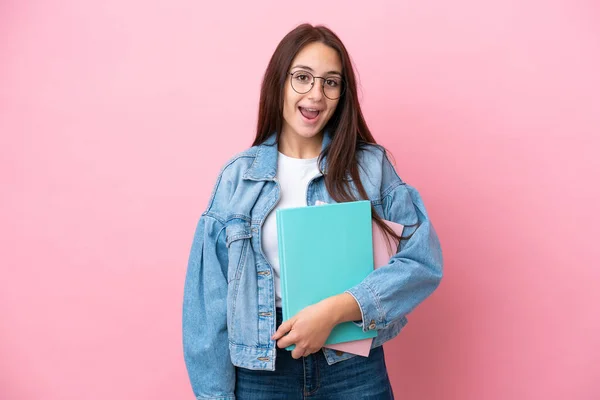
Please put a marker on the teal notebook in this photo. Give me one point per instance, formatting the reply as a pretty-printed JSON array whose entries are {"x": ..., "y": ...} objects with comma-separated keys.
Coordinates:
[{"x": 324, "y": 251}]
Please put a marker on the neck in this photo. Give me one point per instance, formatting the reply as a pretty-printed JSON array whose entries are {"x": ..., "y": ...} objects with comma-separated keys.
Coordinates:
[{"x": 297, "y": 146}]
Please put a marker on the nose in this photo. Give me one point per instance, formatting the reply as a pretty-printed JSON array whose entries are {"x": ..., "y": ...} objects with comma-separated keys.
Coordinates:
[{"x": 316, "y": 91}]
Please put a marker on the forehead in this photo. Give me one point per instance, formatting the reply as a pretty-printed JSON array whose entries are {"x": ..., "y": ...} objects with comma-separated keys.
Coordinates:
[{"x": 318, "y": 56}]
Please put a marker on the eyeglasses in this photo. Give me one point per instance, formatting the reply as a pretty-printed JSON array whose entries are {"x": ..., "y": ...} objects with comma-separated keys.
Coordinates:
[{"x": 303, "y": 82}]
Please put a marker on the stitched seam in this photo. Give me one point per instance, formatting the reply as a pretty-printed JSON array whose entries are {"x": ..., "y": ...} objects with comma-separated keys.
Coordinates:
[
  {"x": 214, "y": 192},
  {"x": 391, "y": 188},
  {"x": 213, "y": 216},
  {"x": 238, "y": 236},
  {"x": 258, "y": 221},
  {"x": 238, "y": 216},
  {"x": 258, "y": 346},
  {"x": 219, "y": 397},
  {"x": 304, "y": 369},
  {"x": 318, "y": 380},
  {"x": 362, "y": 314},
  {"x": 377, "y": 303},
  {"x": 237, "y": 281},
  {"x": 253, "y": 162}
]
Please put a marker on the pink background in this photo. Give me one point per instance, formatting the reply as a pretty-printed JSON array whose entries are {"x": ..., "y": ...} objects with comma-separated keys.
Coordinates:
[{"x": 116, "y": 117}]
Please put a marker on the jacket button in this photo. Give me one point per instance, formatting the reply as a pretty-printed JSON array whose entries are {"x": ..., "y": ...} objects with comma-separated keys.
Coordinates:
[
  {"x": 372, "y": 325},
  {"x": 339, "y": 353}
]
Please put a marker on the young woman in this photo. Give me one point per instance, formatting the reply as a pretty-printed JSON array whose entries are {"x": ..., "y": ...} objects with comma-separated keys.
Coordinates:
[{"x": 312, "y": 144}]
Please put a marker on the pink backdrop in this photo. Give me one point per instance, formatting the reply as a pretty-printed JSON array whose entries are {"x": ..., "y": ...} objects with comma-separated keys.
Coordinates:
[{"x": 116, "y": 117}]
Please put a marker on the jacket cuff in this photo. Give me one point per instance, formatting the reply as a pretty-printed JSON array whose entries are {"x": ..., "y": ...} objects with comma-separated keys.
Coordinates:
[
  {"x": 223, "y": 397},
  {"x": 373, "y": 317}
]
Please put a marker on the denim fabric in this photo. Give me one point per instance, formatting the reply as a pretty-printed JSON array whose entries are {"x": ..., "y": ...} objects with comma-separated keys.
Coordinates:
[
  {"x": 359, "y": 378},
  {"x": 229, "y": 297}
]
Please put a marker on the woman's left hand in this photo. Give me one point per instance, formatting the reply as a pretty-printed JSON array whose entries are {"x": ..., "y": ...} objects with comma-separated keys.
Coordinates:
[{"x": 308, "y": 330}]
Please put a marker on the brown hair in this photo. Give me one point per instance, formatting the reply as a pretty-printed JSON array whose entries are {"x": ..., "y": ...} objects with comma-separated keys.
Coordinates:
[{"x": 347, "y": 126}]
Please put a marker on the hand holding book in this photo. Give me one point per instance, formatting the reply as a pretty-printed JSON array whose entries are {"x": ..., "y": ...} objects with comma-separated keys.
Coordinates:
[
  {"x": 323, "y": 252},
  {"x": 307, "y": 330}
]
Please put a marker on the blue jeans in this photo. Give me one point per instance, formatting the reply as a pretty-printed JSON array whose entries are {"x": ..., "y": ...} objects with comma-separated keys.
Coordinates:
[{"x": 311, "y": 377}]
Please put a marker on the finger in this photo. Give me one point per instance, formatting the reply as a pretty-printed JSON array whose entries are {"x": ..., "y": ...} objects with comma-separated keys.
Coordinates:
[
  {"x": 287, "y": 340},
  {"x": 298, "y": 352},
  {"x": 282, "y": 330}
]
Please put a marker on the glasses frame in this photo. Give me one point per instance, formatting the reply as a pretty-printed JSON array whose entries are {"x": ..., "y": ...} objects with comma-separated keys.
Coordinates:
[{"x": 312, "y": 84}]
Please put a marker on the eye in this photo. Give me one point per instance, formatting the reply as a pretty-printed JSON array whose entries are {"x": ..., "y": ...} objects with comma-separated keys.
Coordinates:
[
  {"x": 332, "y": 82},
  {"x": 299, "y": 76}
]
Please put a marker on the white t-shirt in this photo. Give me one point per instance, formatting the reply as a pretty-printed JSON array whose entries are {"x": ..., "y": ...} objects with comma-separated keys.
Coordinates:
[{"x": 293, "y": 175}]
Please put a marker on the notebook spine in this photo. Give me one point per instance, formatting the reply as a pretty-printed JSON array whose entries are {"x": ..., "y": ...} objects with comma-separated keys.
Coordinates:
[{"x": 282, "y": 280}]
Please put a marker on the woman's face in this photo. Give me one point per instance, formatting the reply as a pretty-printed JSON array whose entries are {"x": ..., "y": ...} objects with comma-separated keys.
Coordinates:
[{"x": 307, "y": 114}]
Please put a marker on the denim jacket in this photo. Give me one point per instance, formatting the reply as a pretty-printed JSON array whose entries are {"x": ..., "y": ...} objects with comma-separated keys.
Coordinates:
[{"x": 229, "y": 294}]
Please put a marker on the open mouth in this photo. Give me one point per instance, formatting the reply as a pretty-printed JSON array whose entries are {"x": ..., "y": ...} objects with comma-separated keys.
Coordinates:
[{"x": 309, "y": 113}]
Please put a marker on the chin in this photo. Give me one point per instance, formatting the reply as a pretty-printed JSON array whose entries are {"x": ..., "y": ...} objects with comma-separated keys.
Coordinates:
[{"x": 308, "y": 134}]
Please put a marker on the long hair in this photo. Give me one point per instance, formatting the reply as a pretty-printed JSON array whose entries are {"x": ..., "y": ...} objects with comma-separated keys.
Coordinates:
[{"x": 347, "y": 126}]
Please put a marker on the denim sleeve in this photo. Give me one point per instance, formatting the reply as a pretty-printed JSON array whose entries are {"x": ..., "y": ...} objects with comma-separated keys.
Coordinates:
[
  {"x": 205, "y": 343},
  {"x": 412, "y": 274}
]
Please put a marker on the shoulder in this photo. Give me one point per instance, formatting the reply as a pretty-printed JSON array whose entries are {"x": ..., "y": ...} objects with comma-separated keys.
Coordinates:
[
  {"x": 401, "y": 202},
  {"x": 228, "y": 179},
  {"x": 237, "y": 165},
  {"x": 375, "y": 167},
  {"x": 371, "y": 154}
]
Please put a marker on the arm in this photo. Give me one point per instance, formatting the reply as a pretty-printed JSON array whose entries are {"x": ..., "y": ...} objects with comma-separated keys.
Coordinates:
[
  {"x": 205, "y": 344},
  {"x": 412, "y": 274},
  {"x": 388, "y": 293}
]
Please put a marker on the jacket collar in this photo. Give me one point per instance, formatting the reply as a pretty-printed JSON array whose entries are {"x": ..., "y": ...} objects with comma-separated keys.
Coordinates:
[{"x": 264, "y": 166}]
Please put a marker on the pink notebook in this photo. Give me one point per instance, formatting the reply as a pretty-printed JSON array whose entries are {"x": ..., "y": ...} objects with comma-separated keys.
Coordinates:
[{"x": 381, "y": 256}]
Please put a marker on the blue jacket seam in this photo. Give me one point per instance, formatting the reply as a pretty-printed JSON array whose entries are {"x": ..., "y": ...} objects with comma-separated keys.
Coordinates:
[
  {"x": 229, "y": 163},
  {"x": 380, "y": 311},
  {"x": 387, "y": 192},
  {"x": 214, "y": 216}
]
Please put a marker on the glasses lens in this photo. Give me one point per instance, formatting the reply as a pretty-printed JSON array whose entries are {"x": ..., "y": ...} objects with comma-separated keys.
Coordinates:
[
  {"x": 332, "y": 87},
  {"x": 302, "y": 81}
]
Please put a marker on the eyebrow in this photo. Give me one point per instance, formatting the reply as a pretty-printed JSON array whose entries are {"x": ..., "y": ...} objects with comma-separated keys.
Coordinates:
[{"x": 306, "y": 67}]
